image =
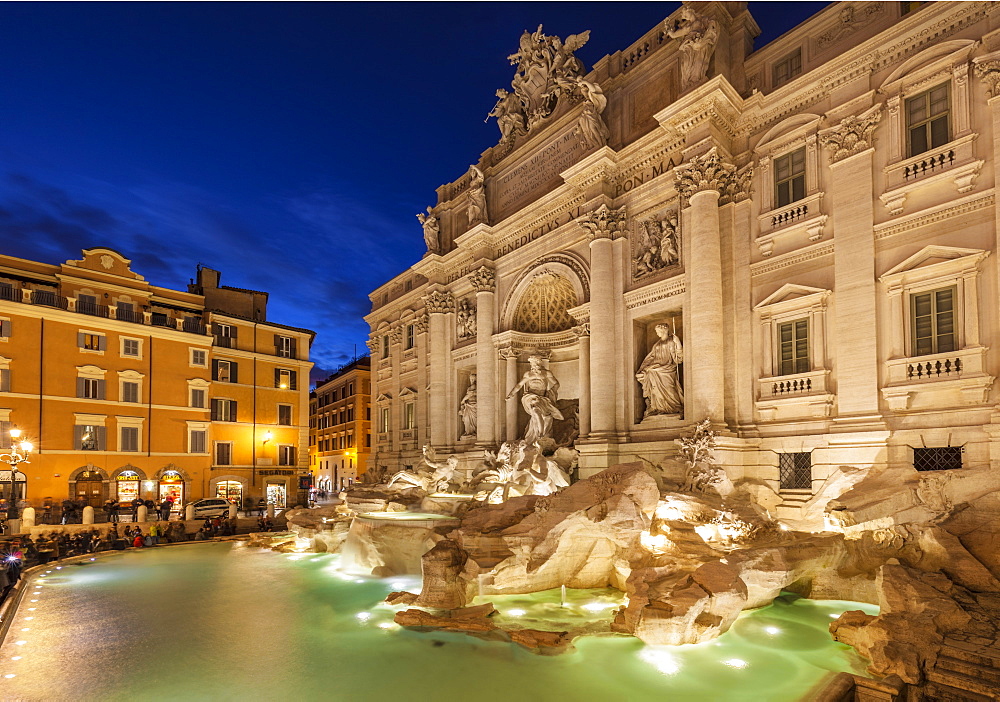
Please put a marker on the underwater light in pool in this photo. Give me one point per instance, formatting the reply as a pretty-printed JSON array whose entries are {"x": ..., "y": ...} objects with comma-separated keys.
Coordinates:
[
  {"x": 772, "y": 630},
  {"x": 363, "y": 616},
  {"x": 516, "y": 612},
  {"x": 738, "y": 663},
  {"x": 661, "y": 659}
]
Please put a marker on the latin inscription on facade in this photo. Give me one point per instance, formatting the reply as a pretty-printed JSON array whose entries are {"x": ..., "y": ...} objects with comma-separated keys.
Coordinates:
[
  {"x": 544, "y": 228},
  {"x": 626, "y": 184},
  {"x": 533, "y": 177}
]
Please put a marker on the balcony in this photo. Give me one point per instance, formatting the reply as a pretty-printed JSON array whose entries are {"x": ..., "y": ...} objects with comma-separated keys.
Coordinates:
[
  {"x": 48, "y": 298},
  {"x": 952, "y": 162},
  {"x": 800, "y": 395},
  {"x": 127, "y": 315},
  {"x": 9, "y": 292},
  {"x": 937, "y": 381},
  {"x": 92, "y": 308},
  {"x": 797, "y": 224},
  {"x": 226, "y": 342}
]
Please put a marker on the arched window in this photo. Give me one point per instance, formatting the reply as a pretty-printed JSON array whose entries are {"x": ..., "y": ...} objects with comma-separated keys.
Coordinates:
[{"x": 544, "y": 306}]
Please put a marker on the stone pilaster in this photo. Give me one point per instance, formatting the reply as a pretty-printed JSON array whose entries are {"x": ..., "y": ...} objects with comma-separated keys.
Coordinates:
[
  {"x": 582, "y": 332},
  {"x": 604, "y": 226},
  {"x": 484, "y": 283},
  {"x": 704, "y": 183},
  {"x": 853, "y": 215},
  {"x": 438, "y": 304},
  {"x": 509, "y": 355}
]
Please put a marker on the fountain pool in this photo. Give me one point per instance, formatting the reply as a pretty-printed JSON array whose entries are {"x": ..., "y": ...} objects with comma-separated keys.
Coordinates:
[{"x": 220, "y": 621}]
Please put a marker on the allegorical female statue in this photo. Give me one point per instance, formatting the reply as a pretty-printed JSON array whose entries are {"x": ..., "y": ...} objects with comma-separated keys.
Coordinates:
[
  {"x": 467, "y": 408},
  {"x": 658, "y": 375}
]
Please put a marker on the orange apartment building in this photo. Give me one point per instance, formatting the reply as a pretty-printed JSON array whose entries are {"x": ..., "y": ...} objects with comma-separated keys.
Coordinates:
[
  {"x": 340, "y": 438},
  {"x": 128, "y": 389}
]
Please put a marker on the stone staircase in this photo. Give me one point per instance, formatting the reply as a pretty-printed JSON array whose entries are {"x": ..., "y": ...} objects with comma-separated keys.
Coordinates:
[{"x": 967, "y": 670}]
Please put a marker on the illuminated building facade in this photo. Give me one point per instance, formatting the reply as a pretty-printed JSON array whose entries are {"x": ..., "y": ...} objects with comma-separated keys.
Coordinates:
[
  {"x": 132, "y": 390},
  {"x": 340, "y": 437}
]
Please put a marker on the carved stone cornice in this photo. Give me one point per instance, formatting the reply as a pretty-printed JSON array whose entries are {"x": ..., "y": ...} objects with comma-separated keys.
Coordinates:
[
  {"x": 372, "y": 345},
  {"x": 439, "y": 302},
  {"x": 853, "y": 135},
  {"x": 483, "y": 279},
  {"x": 604, "y": 222},
  {"x": 987, "y": 69},
  {"x": 710, "y": 172}
]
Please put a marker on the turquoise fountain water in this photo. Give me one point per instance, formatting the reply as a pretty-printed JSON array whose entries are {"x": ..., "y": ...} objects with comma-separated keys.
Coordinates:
[{"x": 223, "y": 622}]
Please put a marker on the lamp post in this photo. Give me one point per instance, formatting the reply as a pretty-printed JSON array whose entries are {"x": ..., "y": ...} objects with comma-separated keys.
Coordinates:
[{"x": 19, "y": 452}]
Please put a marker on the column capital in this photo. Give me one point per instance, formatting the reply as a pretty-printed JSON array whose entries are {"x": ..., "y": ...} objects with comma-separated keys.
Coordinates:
[
  {"x": 710, "y": 172},
  {"x": 396, "y": 334},
  {"x": 581, "y": 330},
  {"x": 509, "y": 352},
  {"x": 852, "y": 135},
  {"x": 439, "y": 302},
  {"x": 483, "y": 279},
  {"x": 988, "y": 71},
  {"x": 372, "y": 345},
  {"x": 421, "y": 322},
  {"x": 604, "y": 222}
]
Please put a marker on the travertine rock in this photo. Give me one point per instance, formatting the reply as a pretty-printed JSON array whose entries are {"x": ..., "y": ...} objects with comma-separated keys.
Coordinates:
[
  {"x": 467, "y": 619},
  {"x": 443, "y": 564},
  {"x": 383, "y": 548}
]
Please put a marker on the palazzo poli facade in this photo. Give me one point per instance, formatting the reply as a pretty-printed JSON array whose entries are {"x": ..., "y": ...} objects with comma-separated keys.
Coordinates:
[{"x": 797, "y": 243}]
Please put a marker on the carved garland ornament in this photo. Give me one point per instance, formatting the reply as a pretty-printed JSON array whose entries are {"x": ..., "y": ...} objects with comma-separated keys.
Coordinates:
[
  {"x": 853, "y": 135},
  {"x": 483, "y": 280},
  {"x": 604, "y": 222},
  {"x": 439, "y": 302},
  {"x": 710, "y": 172}
]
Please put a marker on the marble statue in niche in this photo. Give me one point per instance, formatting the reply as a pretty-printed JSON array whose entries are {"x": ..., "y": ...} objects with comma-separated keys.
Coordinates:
[
  {"x": 467, "y": 408},
  {"x": 465, "y": 320},
  {"x": 698, "y": 35},
  {"x": 658, "y": 245},
  {"x": 661, "y": 387},
  {"x": 476, "y": 209},
  {"x": 432, "y": 230},
  {"x": 541, "y": 389}
]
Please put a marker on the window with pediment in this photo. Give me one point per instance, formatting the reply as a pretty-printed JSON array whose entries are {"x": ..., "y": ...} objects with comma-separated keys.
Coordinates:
[{"x": 544, "y": 306}]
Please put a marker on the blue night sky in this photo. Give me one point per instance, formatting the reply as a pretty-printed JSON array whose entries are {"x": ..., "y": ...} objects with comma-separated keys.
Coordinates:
[{"x": 288, "y": 145}]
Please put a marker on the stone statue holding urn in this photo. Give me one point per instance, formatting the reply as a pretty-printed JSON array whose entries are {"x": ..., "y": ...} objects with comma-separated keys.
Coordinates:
[
  {"x": 541, "y": 389},
  {"x": 432, "y": 230}
]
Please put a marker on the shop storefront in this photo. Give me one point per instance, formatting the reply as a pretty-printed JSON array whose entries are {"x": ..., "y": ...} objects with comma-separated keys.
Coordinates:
[
  {"x": 127, "y": 485},
  {"x": 20, "y": 485},
  {"x": 276, "y": 494},
  {"x": 172, "y": 486},
  {"x": 231, "y": 490}
]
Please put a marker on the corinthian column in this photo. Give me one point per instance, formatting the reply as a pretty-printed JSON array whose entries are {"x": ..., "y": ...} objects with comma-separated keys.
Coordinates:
[
  {"x": 604, "y": 226},
  {"x": 484, "y": 283},
  {"x": 704, "y": 183},
  {"x": 509, "y": 355},
  {"x": 582, "y": 332},
  {"x": 438, "y": 303}
]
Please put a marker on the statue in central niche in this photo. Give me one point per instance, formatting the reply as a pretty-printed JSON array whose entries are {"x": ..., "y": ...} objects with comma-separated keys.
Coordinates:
[{"x": 541, "y": 390}]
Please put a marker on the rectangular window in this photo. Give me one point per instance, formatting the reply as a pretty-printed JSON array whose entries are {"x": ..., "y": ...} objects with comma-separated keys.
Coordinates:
[
  {"x": 284, "y": 346},
  {"x": 4, "y": 327},
  {"x": 410, "y": 335},
  {"x": 130, "y": 391},
  {"x": 385, "y": 346},
  {"x": 91, "y": 342},
  {"x": 793, "y": 343},
  {"x": 197, "y": 441},
  {"x": 409, "y": 415},
  {"x": 795, "y": 471},
  {"x": 225, "y": 371},
  {"x": 89, "y": 437},
  {"x": 285, "y": 379},
  {"x": 927, "y": 120},
  {"x": 129, "y": 438},
  {"x": 90, "y": 388},
  {"x": 932, "y": 319},
  {"x": 223, "y": 410},
  {"x": 5, "y": 439},
  {"x": 368, "y": 440},
  {"x": 225, "y": 335},
  {"x": 130, "y": 348},
  {"x": 790, "y": 177},
  {"x": 223, "y": 453},
  {"x": 286, "y": 455},
  {"x": 285, "y": 415},
  {"x": 4, "y": 379},
  {"x": 350, "y": 441},
  {"x": 937, "y": 458},
  {"x": 197, "y": 397},
  {"x": 383, "y": 424},
  {"x": 125, "y": 311},
  {"x": 199, "y": 357},
  {"x": 786, "y": 69}
]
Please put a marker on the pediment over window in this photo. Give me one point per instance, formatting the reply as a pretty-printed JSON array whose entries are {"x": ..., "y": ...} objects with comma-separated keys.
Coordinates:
[
  {"x": 407, "y": 392},
  {"x": 384, "y": 397},
  {"x": 776, "y": 135},
  {"x": 937, "y": 56},
  {"x": 936, "y": 259},
  {"x": 791, "y": 293}
]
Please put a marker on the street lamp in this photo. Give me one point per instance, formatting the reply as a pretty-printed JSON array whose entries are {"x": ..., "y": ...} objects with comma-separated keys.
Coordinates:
[{"x": 19, "y": 452}]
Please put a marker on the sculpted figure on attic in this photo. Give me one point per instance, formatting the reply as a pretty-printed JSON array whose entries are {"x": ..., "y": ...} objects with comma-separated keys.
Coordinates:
[
  {"x": 476, "y": 209},
  {"x": 698, "y": 35},
  {"x": 432, "y": 230}
]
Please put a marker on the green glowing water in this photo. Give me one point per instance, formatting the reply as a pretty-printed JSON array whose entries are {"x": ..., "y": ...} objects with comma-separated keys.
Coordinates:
[{"x": 221, "y": 622}]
